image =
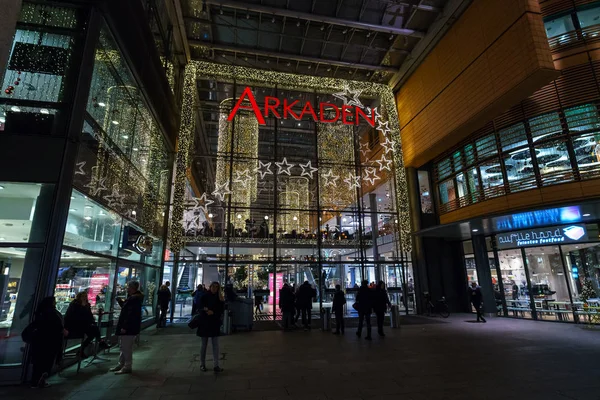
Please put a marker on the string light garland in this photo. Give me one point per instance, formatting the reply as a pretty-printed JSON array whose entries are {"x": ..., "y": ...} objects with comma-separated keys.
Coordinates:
[{"x": 286, "y": 81}]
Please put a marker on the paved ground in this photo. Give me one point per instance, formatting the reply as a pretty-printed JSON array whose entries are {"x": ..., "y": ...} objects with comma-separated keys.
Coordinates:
[{"x": 503, "y": 359}]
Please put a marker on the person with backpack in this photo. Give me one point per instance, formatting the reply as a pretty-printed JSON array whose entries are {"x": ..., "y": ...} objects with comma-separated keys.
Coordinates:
[
  {"x": 339, "y": 300},
  {"x": 45, "y": 335}
]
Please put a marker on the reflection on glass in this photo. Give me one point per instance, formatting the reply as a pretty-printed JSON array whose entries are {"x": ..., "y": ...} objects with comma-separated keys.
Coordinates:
[
  {"x": 447, "y": 192},
  {"x": 554, "y": 163},
  {"x": 559, "y": 26},
  {"x": 491, "y": 178},
  {"x": 516, "y": 292},
  {"x": 23, "y": 211}
]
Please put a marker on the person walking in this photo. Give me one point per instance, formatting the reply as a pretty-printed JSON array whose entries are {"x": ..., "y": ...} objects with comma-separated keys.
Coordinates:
[
  {"x": 364, "y": 300},
  {"x": 339, "y": 299},
  {"x": 305, "y": 296},
  {"x": 129, "y": 326},
  {"x": 164, "y": 299},
  {"x": 196, "y": 296},
  {"x": 287, "y": 306},
  {"x": 211, "y": 308},
  {"x": 46, "y": 341},
  {"x": 476, "y": 300},
  {"x": 80, "y": 322},
  {"x": 381, "y": 302}
]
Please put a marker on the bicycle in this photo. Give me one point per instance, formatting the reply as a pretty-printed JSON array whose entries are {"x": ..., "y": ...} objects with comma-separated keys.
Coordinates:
[{"x": 441, "y": 307}]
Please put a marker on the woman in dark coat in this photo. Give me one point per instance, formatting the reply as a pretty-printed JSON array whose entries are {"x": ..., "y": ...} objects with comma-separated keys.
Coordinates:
[
  {"x": 211, "y": 309},
  {"x": 381, "y": 302},
  {"x": 80, "y": 322},
  {"x": 47, "y": 343}
]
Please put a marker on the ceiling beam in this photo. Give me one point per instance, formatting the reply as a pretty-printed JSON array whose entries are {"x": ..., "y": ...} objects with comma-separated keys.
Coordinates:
[
  {"x": 315, "y": 17},
  {"x": 286, "y": 56}
]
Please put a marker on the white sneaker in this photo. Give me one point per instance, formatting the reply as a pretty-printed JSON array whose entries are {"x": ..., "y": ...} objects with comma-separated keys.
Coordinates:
[
  {"x": 117, "y": 368},
  {"x": 123, "y": 371}
]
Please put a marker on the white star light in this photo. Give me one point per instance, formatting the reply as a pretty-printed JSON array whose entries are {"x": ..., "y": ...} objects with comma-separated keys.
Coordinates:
[
  {"x": 384, "y": 128},
  {"x": 221, "y": 191},
  {"x": 204, "y": 199},
  {"x": 115, "y": 200},
  {"x": 371, "y": 175},
  {"x": 242, "y": 177},
  {"x": 350, "y": 97},
  {"x": 95, "y": 185},
  {"x": 80, "y": 170},
  {"x": 352, "y": 181},
  {"x": 374, "y": 110},
  {"x": 281, "y": 169},
  {"x": 364, "y": 148},
  {"x": 308, "y": 169},
  {"x": 263, "y": 169},
  {"x": 385, "y": 161},
  {"x": 330, "y": 179},
  {"x": 264, "y": 186},
  {"x": 388, "y": 145}
]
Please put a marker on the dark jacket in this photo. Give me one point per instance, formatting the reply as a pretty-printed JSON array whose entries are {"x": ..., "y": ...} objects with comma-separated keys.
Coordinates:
[
  {"x": 287, "y": 299},
  {"x": 210, "y": 325},
  {"x": 78, "y": 318},
  {"x": 339, "y": 299},
  {"x": 48, "y": 340},
  {"x": 380, "y": 301},
  {"x": 198, "y": 295},
  {"x": 364, "y": 298},
  {"x": 305, "y": 296},
  {"x": 130, "y": 318},
  {"x": 164, "y": 297},
  {"x": 475, "y": 296}
]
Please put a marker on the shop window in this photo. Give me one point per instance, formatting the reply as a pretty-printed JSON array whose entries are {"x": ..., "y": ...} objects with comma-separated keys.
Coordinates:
[
  {"x": 554, "y": 163},
  {"x": 447, "y": 192},
  {"x": 492, "y": 179},
  {"x": 19, "y": 274},
  {"x": 24, "y": 211},
  {"x": 512, "y": 137},
  {"x": 548, "y": 283},
  {"x": 462, "y": 186},
  {"x": 469, "y": 151},
  {"x": 473, "y": 182},
  {"x": 519, "y": 170},
  {"x": 516, "y": 292},
  {"x": 587, "y": 154},
  {"x": 486, "y": 146},
  {"x": 425, "y": 192},
  {"x": 559, "y": 26},
  {"x": 582, "y": 118},
  {"x": 147, "y": 277},
  {"x": 545, "y": 126},
  {"x": 589, "y": 18}
]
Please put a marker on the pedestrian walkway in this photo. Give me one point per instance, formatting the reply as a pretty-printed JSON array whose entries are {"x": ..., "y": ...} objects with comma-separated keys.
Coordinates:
[{"x": 504, "y": 359}]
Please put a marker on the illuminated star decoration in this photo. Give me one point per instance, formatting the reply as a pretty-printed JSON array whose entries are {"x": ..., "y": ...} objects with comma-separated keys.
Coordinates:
[
  {"x": 221, "y": 191},
  {"x": 384, "y": 127},
  {"x": 308, "y": 169},
  {"x": 385, "y": 161},
  {"x": 263, "y": 169},
  {"x": 264, "y": 186},
  {"x": 371, "y": 175},
  {"x": 80, "y": 170},
  {"x": 281, "y": 169},
  {"x": 115, "y": 199},
  {"x": 364, "y": 148},
  {"x": 374, "y": 110},
  {"x": 388, "y": 145},
  {"x": 204, "y": 199},
  {"x": 352, "y": 181},
  {"x": 350, "y": 97},
  {"x": 95, "y": 185},
  {"x": 330, "y": 179},
  {"x": 242, "y": 177}
]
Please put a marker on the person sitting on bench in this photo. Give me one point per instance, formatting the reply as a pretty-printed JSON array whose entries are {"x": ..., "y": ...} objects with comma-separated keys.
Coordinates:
[{"x": 79, "y": 322}]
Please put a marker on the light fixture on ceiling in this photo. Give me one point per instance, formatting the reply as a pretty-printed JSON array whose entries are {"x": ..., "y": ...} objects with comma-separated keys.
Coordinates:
[
  {"x": 135, "y": 149},
  {"x": 586, "y": 215},
  {"x": 115, "y": 122},
  {"x": 1, "y": 238},
  {"x": 125, "y": 137},
  {"x": 15, "y": 109},
  {"x": 72, "y": 209},
  {"x": 2, "y": 188},
  {"x": 239, "y": 216},
  {"x": 266, "y": 217},
  {"x": 44, "y": 111},
  {"x": 87, "y": 218},
  {"x": 475, "y": 230},
  {"x": 134, "y": 213},
  {"x": 88, "y": 207},
  {"x": 210, "y": 215},
  {"x": 295, "y": 218},
  {"x": 102, "y": 104}
]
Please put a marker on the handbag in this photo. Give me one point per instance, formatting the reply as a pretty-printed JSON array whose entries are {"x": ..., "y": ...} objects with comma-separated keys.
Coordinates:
[
  {"x": 194, "y": 323},
  {"x": 355, "y": 305}
]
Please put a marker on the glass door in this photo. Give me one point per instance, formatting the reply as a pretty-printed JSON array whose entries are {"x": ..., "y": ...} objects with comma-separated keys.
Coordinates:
[{"x": 516, "y": 289}]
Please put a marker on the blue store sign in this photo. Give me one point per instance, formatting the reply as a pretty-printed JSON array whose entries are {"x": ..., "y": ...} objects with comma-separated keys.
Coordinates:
[{"x": 542, "y": 236}]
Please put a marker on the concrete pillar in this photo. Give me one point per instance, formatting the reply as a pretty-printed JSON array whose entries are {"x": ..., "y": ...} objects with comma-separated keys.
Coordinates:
[
  {"x": 10, "y": 14},
  {"x": 484, "y": 275}
]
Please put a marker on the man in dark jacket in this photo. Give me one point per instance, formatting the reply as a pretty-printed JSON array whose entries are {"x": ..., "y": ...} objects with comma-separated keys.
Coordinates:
[
  {"x": 164, "y": 298},
  {"x": 129, "y": 326},
  {"x": 476, "y": 299},
  {"x": 381, "y": 302},
  {"x": 364, "y": 300},
  {"x": 305, "y": 296},
  {"x": 287, "y": 305},
  {"x": 339, "y": 299}
]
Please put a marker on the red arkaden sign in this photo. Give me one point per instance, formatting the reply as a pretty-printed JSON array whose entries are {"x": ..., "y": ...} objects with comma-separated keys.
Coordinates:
[{"x": 327, "y": 113}]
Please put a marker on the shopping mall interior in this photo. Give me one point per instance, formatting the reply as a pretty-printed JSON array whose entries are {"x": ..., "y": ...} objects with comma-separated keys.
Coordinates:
[{"x": 427, "y": 144}]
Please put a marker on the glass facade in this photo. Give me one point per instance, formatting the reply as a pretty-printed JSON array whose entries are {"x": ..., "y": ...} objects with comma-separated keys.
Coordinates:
[
  {"x": 573, "y": 27},
  {"x": 553, "y": 148}
]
